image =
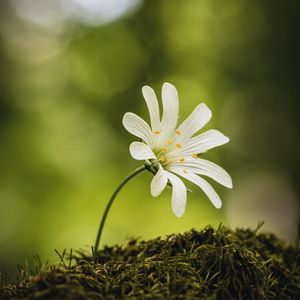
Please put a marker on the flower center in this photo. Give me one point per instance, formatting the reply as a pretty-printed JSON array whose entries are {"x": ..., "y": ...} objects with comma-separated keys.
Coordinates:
[{"x": 195, "y": 155}]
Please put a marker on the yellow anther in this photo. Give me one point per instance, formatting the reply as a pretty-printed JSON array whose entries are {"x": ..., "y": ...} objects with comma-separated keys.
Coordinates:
[
  {"x": 178, "y": 146},
  {"x": 178, "y": 132},
  {"x": 157, "y": 132},
  {"x": 161, "y": 158},
  {"x": 182, "y": 159},
  {"x": 195, "y": 155},
  {"x": 164, "y": 149},
  {"x": 170, "y": 142},
  {"x": 185, "y": 171}
]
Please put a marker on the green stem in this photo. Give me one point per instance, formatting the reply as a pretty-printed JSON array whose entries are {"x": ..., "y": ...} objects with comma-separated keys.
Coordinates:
[{"x": 111, "y": 200}]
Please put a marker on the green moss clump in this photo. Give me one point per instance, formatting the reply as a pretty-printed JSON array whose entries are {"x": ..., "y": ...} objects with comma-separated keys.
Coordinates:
[{"x": 207, "y": 264}]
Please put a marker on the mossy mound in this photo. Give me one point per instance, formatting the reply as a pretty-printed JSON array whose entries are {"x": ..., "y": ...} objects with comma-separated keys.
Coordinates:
[{"x": 207, "y": 264}]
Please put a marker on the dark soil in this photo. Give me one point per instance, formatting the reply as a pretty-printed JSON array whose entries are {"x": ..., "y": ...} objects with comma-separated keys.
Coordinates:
[{"x": 207, "y": 264}]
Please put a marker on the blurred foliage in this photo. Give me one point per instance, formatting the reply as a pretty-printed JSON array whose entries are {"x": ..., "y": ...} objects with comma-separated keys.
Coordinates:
[{"x": 65, "y": 85}]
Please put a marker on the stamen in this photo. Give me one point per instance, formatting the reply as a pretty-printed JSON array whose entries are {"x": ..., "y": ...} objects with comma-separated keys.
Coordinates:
[
  {"x": 157, "y": 131},
  {"x": 164, "y": 149},
  {"x": 185, "y": 171},
  {"x": 162, "y": 159},
  {"x": 178, "y": 132},
  {"x": 178, "y": 146},
  {"x": 182, "y": 159},
  {"x": 195, "y": 155},
  {"x": 170, "y": 142}
]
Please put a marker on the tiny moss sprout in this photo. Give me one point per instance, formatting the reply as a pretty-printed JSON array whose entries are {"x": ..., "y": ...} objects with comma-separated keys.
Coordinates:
[{"x": 169, "y": 151}]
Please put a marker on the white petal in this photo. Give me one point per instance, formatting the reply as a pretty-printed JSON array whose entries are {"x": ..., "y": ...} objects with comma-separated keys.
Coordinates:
[
  {"x": 138, "y": 127},
  {"x": 204, "y": 185},
  {"x": 158, "y": 182},
  {"x": 178, "y": 194},
  {"x": 170, "y": 111},
  {"x": 207, "y": 168},
  {"x": 153, "y": 107},
  {"x": 195, "y": 121},
  {"x": 203, "y": 142},
  {"x": 141, "y": 151}
]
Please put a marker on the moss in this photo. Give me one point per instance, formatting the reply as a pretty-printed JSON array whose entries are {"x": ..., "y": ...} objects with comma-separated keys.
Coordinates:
[{"x": 207, "y": 264}]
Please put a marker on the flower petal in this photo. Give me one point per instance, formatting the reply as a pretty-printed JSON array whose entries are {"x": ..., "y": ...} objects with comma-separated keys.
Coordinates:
[
  {"x": 153, "y": 107},
  {"x": 203, "y": 184},
  {"x": 195, "y": 121},
  {"x": 138, "y": 127},
  {"x": 207, "y": 168},
  {"x": 203, "y": 142},
  {"x": 159, "y": 182},
  {"x": 170, "y": 112},
  {"x": 141, "y": 151},
  {"x": 178, "y": 194}
]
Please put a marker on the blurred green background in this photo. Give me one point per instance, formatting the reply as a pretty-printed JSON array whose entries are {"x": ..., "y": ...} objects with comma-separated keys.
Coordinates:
[{"x": 69, "y": 70}]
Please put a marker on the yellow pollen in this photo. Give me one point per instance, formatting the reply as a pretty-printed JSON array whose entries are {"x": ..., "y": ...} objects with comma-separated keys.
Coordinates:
[
  {"x": 182, "y": 159},
  {"x": 162, "y": 159},
  {"x": 195, "y": 155},
  {"x": 170, "y": 142},
  {"x": 185, "y": 171},
  {"x": 164, "y": 149},
  {"x": 157, "y": 132},
  {"x": 178, "y": 146},
  {"x": 178, "y": 132}
]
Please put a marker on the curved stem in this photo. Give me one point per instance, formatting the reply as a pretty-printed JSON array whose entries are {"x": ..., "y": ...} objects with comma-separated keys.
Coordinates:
[{"x": 111, "y": 200}]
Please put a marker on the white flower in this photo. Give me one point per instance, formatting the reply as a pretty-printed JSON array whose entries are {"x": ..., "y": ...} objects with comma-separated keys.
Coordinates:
[{"x": 176, "y": 150}]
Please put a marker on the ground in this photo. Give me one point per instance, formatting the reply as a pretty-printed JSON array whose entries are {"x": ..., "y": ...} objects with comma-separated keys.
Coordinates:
[{"x": 208, "y": 264}]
